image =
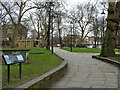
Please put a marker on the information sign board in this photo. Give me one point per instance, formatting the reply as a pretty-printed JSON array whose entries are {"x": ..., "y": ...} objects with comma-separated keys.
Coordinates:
[{"x": 13, "y": 58}]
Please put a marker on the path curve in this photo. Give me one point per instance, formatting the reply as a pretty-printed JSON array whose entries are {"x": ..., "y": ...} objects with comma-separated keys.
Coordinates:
[{"x": 86, "y": 72}]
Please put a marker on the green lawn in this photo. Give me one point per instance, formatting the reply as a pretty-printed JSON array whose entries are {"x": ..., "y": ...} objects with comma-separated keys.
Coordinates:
[
  {"x": 38, "y": 65},
  {"x": 85, "y": 50}
]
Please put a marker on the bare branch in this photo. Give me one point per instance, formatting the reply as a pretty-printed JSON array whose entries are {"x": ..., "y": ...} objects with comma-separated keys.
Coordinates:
[{"x": 8, "y": 12}]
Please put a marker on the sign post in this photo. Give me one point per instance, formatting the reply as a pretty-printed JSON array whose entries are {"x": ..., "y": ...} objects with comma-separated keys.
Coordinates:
[
  {"x": 8, "y": 73},
  {"x": 20, "y": 70},
  {"x": 13, "y": 59}
]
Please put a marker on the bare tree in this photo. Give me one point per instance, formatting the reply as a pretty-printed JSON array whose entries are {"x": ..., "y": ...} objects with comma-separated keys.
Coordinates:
[
  {"x": 58, "y": 18},
  {"x": 33, "y": 34},
  {"x": 16, "y": 11},
  {"x": 83, "y": 18},
  {"x": 96, "y": 28},
  {"x": 43, "y": 17}
]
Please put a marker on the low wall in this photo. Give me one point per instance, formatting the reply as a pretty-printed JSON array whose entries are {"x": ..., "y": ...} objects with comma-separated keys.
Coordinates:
[
  {"x": 46, "y": 79},
  {"x": 107, "y": 60}
]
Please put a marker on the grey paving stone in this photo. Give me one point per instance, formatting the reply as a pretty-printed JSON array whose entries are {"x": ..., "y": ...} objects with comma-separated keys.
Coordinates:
[
  {"x": 97, "y": 74},
  {"x": 112, "y": 82},
  {"x": 99, "y": 86},
  {"x": 81, "y": 76},
  {"x": 96, "y": 82},
  {"x": 96, "y": 79},
  {"x": 78, "y": 79},
  {"x": 72, "y": 84},
  {"x": 86, "y": 85},
  {"x": 112, "y": 86},
  {"x": 86, "y": 72}
]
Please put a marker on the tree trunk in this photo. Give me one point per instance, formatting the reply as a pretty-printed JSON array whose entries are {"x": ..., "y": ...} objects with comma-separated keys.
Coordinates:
[
  {"x": 60, "y": 39},
  {"x": 38, "y": 31},
  {"x": 95, "y": 41},
  {"x": 14, "y": 37},
  {"x": 118, "y": 22},
  {"x": 109, "y": 39}
]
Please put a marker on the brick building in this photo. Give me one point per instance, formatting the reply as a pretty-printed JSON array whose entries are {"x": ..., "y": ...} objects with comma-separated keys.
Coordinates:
[{"x": 29, "y": 43}]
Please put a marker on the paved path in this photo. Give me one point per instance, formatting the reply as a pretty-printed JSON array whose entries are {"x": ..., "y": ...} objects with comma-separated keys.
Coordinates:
[{"x": 86, "y": 72}]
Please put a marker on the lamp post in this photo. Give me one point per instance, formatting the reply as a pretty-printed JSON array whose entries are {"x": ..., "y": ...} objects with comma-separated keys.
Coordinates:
[
  {"x": 103, "y": 15},
  {"x": 52, "y": 7},
  {"x": 71, "y": 36}
]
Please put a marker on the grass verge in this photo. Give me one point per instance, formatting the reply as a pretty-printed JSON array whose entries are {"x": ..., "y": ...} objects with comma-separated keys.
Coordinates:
[
  {"x": 85, "y": 50},
  {"x": 38, "y": 65}
]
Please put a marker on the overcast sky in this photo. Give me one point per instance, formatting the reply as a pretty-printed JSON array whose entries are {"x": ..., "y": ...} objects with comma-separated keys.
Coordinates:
[
  {"x": 69, "y": 3},
  {"x": 72, "y": 3}
]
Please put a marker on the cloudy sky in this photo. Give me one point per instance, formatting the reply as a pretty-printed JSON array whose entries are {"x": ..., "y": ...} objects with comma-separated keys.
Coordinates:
[{"x": 71, "y": 3}]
